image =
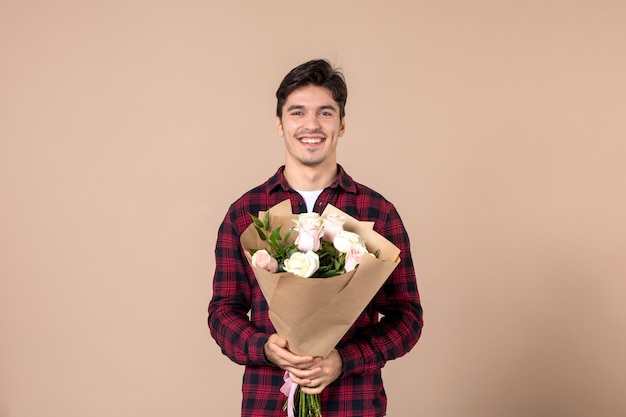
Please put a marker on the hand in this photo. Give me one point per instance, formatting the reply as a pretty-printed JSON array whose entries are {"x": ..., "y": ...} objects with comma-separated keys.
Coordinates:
[
  {"x": 277, "y": 352},
  {"x": 312, "y": 373},
  {"x": 323, "y": 372}
]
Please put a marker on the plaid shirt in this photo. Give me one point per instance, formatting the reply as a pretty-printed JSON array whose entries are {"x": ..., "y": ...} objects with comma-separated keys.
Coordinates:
[{"x": 367, "y": 346}]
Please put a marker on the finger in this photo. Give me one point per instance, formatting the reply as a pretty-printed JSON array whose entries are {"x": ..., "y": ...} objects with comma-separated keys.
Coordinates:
[
  {"x": 281, "y": 341},
  {"x": 297, "y": 361},
  {"x": 278, "y": 347},
  {"x": 278, "y": 340},
  {"x": 303, "y": 382},
  {"x": 290, "y": 362},
  {"x": 307, "y": 389},
  {"x": 303, "y": 377}
]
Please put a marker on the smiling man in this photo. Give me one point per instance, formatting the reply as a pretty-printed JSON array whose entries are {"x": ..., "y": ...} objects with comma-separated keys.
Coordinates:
[
  {"x": 311, "y": 127},
  {"x": 310, "y": 117}
]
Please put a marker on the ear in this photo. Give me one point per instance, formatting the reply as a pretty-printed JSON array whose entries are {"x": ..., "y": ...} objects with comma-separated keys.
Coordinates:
[
  {"x": 279, "y": 126},
  {"x": 342, "y": 126}
]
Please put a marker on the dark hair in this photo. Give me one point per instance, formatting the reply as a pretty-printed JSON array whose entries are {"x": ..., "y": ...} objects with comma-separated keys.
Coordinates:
[{"x": 318, "y": 72}]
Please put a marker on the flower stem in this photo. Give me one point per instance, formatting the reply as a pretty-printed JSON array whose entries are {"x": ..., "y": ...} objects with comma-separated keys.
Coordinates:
[{"x": 309, "y": 405}]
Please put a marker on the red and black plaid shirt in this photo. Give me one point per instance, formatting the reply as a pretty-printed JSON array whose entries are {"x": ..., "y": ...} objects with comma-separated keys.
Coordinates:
[{"x": 367, "y": 346}]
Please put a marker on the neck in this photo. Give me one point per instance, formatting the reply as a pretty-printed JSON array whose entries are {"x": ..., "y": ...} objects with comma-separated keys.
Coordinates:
[{"x": 305, "y": 178}]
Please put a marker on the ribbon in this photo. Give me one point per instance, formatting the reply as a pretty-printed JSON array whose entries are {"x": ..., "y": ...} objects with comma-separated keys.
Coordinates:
[{"x": 289, "y": 390}]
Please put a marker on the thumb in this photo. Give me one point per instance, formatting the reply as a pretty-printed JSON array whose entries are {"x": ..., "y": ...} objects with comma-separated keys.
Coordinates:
[{"x": 281, "y": 341}]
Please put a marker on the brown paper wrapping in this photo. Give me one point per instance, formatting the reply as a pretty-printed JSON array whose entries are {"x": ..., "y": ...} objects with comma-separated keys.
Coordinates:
[{"x": 313, "y": 314}]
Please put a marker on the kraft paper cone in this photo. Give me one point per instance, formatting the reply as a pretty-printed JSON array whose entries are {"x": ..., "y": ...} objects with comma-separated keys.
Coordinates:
[{"x": 313, "y": 314}]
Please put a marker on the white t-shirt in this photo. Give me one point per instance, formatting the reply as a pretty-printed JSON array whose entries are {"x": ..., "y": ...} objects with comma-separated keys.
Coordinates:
[{"x": 310, "y": 197}]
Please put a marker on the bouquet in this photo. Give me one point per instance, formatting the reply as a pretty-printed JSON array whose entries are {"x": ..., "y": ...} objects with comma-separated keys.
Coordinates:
[{"x": 316, "y": 281}]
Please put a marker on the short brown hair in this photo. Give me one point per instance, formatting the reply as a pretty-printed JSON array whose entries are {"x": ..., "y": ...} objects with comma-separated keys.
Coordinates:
[{"x": 318, "y": 72}]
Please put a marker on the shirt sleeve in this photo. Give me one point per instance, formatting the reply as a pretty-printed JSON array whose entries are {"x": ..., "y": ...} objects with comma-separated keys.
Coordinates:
[
  {"x": 398, "y": 302},
  {"x": 228, "y": 319}
]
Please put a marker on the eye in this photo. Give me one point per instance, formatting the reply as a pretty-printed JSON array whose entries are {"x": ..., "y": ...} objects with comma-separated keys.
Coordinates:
[
  {"x": 326, "y": 113},
  {"x": 297, "y": 113}
]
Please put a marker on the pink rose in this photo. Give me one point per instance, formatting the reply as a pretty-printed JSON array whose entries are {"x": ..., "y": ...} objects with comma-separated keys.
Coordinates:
[
  {"x": 263, "y": 259},
  {"x": 308, "y": 240},
  {"x": 333, "y": 223},
  {"x": 354, "y": 256},
  {"x": 310, "y": 230}
]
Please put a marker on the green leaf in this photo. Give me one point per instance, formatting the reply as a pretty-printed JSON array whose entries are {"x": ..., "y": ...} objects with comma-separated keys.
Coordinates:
[
  {"x": 275, "y": 236},
  {"x": 257, "y": 222},
  {"x": 267, "y": 220},
  {"x": 260, "y": 232},
  {"x": 288, "y": 234}
]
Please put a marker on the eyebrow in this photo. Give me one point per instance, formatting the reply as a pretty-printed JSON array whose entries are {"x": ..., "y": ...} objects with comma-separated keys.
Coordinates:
[{"x": 301, "y": 106}]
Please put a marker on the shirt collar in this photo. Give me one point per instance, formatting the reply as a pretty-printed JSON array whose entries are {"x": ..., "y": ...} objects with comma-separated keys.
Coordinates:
[{"x": 343, "y": 181}]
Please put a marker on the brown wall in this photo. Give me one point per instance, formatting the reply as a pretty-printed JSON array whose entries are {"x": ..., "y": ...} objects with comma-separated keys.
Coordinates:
[{"x": 496, "y": 127}]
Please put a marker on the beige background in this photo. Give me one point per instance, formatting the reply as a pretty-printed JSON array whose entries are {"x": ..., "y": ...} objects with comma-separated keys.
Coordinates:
[{"x": 496, "y": 127}]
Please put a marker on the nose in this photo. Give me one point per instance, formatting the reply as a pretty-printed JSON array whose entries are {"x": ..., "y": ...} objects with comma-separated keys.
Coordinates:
[{"x": 311, "y": 121}]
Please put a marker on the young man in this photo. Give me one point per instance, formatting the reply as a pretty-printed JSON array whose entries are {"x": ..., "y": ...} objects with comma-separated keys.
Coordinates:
[{"x": 310, "y": 118}]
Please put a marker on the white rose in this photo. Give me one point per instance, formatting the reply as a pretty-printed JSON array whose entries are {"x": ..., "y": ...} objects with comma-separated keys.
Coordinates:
[
  {"x": 345, "y": 240},
  {"x": 311, "y": 221},
  {"x": 303, "y": 264}
]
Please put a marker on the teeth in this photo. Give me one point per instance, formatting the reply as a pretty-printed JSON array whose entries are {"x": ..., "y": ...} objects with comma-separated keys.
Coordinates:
[{"x": 310, "y": 140}]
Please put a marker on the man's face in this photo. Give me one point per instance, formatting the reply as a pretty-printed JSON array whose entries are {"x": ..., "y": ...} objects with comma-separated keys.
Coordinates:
[{"x": 310, "y": 126}]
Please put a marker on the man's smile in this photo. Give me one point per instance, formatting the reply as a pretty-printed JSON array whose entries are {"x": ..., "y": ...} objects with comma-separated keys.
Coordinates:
[{"x": 307, "y": 140}]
